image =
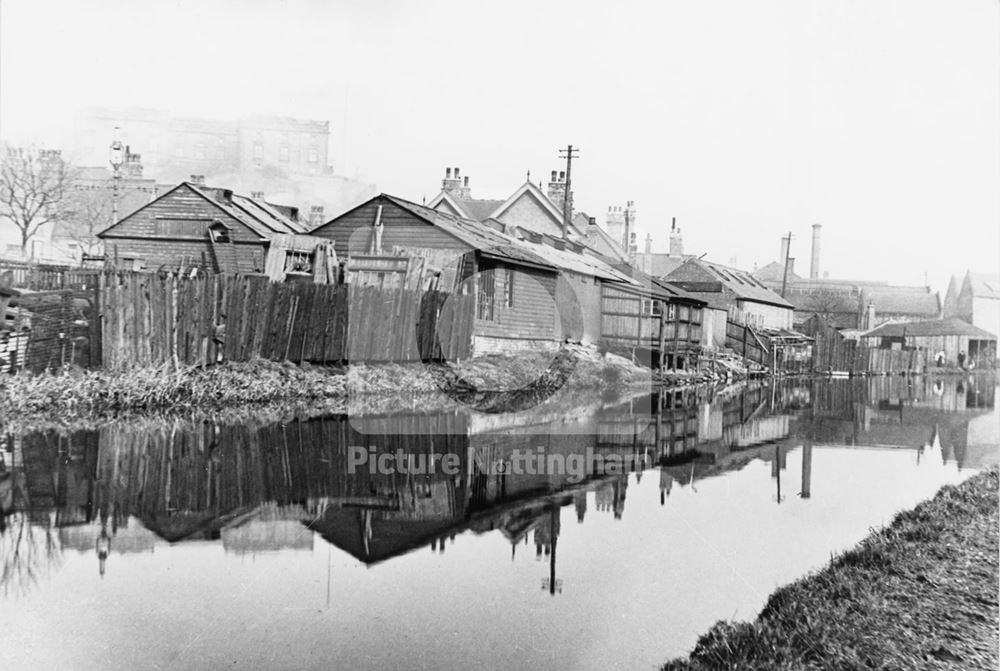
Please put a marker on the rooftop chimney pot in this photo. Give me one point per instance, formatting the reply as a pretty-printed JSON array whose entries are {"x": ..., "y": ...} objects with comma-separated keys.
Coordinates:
[{"x": 447, "y": 173}]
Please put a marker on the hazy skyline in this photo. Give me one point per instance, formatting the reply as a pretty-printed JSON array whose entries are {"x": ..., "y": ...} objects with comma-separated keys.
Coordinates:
[{"x": 878, "y": 120}]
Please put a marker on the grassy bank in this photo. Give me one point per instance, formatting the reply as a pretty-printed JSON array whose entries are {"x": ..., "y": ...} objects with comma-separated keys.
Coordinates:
[
  {"x": 918, "y": 594},
  {"x": 82, "y": 393}
]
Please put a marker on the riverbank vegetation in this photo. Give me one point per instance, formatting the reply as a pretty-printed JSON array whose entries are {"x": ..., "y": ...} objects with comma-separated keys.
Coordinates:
[
  {"x": 919, "y": 594},
  {"x": 77, "y": 393}
]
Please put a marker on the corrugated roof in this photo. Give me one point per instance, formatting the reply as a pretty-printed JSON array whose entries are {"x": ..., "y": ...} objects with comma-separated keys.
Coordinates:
[
  {"x": 739, "y": 282},
  {"x": 934, "y": 327},
  {"x": 260, "y": 217},
  {"x": 576, "y": 262},
  {"x": 268, "y": 215}
]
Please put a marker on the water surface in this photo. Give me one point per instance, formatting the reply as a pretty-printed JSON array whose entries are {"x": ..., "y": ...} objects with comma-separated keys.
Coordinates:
[{"x": 257, "y": 545}]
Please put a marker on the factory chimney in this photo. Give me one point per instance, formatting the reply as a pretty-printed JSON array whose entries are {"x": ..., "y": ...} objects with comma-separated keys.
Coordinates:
[{"x": 814, "y": 263}]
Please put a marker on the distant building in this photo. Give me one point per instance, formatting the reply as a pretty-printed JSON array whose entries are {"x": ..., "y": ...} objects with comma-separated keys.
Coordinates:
[
  {"x": 744, "y": 298},
  {"x": 952, "y": 336},
  {"x": 659, "y": 264},
  {"x": 620, "y": 221},
  {"x": 977, "y": 301},
  {"x": 92, "y": 205},
  {"x": 176, "y": 146},
  {"x": 528, "y": 207},
  {"x": 844, "y": 304}
]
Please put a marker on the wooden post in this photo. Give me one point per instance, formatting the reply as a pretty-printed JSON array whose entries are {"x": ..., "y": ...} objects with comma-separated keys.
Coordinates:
[
  {"x": 663, "y": 341},
  {"x": 807, "y": 450}
]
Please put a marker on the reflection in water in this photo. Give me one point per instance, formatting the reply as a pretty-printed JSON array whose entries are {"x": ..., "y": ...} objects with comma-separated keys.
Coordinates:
[{"x": 272, "y": 493}]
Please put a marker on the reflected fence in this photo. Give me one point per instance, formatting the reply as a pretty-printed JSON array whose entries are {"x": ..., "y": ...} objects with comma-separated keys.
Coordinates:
[{"x": 186, "y": 480}]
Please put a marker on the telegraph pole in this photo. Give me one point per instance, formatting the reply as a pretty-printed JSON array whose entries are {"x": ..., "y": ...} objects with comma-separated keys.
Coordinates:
[{"x": 569, "y": 154}]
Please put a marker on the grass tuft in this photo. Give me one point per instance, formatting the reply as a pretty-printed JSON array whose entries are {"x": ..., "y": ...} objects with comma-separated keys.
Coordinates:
[{"x": 919, "y": 592}]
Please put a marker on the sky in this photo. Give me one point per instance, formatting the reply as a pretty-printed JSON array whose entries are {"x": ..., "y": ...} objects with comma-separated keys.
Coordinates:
[{"x": 878, "y": 119}]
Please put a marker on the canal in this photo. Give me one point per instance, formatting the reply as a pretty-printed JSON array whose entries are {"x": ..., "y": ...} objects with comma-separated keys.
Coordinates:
[{"x": 606, "y": 537}]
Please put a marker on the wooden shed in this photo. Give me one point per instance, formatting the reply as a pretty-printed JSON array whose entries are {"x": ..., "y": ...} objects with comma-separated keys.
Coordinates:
[
  {"x": 515, "y": 289},
  {"x": 197, "y": 226},
  {"x": 658, "y": 320},
  {"x": 951, "y": 336}
]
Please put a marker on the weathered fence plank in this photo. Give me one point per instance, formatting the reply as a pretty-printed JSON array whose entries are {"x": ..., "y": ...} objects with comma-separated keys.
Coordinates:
[{"x": 152, "y": 319}]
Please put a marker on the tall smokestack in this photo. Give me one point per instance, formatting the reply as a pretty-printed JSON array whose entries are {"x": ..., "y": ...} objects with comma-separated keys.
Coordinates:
[
  {"x": 784, "y": 249},
  {"x": 814, "y": 264}
]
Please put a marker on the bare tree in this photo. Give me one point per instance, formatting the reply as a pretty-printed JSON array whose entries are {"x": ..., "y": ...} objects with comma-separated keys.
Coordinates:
[
  {"x": 826, "y": 302},
  {"x": 33, "y": 188},
  {"x": 88, "y": 212}
]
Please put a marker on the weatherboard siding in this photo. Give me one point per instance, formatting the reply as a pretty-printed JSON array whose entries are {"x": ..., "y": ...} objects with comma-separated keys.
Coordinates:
[
  {"x": 353, "y": 231},
  {"x": 171, "y": 254},
  {"x": 533, "y": 316},
  {"x": 181, "y": 204}
]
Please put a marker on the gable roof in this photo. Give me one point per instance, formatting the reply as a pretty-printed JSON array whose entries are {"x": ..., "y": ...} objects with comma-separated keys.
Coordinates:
[
  {"x": 659, "y": 264},
  {"x": 740, "y": 282},
  {"x": 263, "y": 218},
  {"x": 473, "y": 233},
  {"x": 915, "y": 301},
  {"x": 478, "y": 209},
  {"x": 482, "y": 209},
  {"x": 984, "y": 285},
  {"x": 775, "y": 272},
  {"x": 534, "y": 192},
  {"x": 601, "y": 240},
  {"x": 935, "y": 327}
]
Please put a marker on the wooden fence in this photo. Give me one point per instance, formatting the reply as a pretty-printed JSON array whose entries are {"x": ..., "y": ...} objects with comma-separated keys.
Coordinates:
[
  {"x": 45, "y": 277},
  {"x": 744, "y": 341},
  {"x": 834, "y": 353},
  {"x": 150, "y": 319}
]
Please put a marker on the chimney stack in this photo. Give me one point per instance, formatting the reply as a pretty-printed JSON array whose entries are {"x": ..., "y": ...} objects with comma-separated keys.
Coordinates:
[
  {"x": 452, "y": 184},
  {"x": 814, "y": 264},
  {"x": 257, "y": 195},
  {"x": 676, "y": 241},
  {"x": 556, "y": 190},
  {"x": 784, "y": 250},
  {"x": 316, "y": 216}
]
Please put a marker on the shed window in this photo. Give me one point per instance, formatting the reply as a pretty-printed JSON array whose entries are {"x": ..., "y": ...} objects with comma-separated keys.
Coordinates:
[
  {"x": 487, "y": 293},
  {"x": 651, "y": 308},
  {"x": 508, "y": 288},
  {"x": 302, "y": 262},
  {"x": 182, "y": 228}
]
